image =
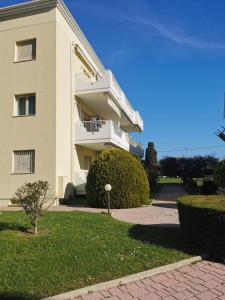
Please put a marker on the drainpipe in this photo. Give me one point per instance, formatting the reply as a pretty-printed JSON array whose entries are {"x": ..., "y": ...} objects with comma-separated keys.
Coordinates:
[{"x": 71, "y": 114}]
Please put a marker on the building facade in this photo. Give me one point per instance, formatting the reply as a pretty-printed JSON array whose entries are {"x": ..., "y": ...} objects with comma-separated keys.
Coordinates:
[{"x": 59, "y": 106}]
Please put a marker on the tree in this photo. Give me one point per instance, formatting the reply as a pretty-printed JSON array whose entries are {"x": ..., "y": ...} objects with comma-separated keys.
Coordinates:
[
  {"x": 33, "y": 198},
  {"x": 197, "y": 166},
  {"x": 188, "y": 167},
  {"x": 219, "y": 175},
  {"x": 151, "y": 164},
  {"x": 170, "y": 166}
]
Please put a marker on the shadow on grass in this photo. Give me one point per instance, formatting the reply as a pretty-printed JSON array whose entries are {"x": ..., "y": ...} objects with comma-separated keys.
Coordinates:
[
  {"x": 12, "y": 226},
  {"x": 165, "y": 205},
  {"x": 170, "y": 237},
  {"x": 15, "y": 296}
]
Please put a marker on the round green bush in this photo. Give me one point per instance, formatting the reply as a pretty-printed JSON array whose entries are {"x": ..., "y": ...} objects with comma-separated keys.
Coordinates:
[
  {"x": 202, "y": 219},
  {"x": 219, "y": 175},
  {"x": 125, "y": 173}
]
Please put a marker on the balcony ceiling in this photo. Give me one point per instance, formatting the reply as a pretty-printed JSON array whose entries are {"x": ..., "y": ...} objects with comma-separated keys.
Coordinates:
[
  {"x": 104, "y": 107},
  {"x": 99, "y": 146},
  {"x": 105, "y": 97}
]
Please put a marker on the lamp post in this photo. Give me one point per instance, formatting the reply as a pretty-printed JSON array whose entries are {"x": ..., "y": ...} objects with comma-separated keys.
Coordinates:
[
  {"x": 108, "y": 189},
  {"x": 200, "y": 184}
]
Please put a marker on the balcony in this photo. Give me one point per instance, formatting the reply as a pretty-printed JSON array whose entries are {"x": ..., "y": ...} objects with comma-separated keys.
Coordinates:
[
  {"x": 99, "y": 135},
  {"x": 107, "y": 98}
]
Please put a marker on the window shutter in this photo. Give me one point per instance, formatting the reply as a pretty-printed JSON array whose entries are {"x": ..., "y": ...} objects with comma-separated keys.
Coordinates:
[{"x": 26, "y": 50}]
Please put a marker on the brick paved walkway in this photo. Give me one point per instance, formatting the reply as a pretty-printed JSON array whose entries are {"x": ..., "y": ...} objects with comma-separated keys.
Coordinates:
[{"x": 201, "y": 281}]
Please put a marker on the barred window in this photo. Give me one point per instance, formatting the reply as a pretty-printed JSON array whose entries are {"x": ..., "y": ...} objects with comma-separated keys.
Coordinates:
[
  {"x": 24, "y": 162},
  {"x": 26, "y": 50}
]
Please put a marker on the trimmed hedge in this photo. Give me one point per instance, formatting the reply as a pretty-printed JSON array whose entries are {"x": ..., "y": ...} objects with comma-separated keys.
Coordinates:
[
  {"x": 125, "y": 173},
  {"x": 219, "y": 175},
  {"x": 202, "y": 219},
  {"x": 209, "y": 188}
]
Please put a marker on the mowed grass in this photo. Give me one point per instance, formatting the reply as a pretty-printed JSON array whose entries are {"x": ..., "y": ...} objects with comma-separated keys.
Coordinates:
[
  {"x": 216, "y": 202},
  {"x": 73, "y": 250},
  {"x": 170, "y": 180}
]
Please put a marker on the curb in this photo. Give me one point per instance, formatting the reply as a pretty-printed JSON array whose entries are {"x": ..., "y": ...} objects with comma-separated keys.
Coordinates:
[{"x": 124, "y": 280}]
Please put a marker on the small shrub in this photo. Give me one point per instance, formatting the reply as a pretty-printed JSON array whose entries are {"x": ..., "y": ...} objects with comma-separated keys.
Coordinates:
[
  {"x": 202, "y": 219},
  {"x": 125, "y": 173},
  {"x": 33, "y": 198},
  {"x": 219, "y": 175},
  {"x": 192, "y": 188},
  {"x": 208, "y": 188}
]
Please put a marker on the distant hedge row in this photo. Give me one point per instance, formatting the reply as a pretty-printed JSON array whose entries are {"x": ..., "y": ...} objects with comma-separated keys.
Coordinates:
[{"x": 202, "y": 218}]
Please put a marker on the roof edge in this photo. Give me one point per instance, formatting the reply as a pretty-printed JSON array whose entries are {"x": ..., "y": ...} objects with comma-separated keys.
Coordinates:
[{"x": 35, "y": 5}]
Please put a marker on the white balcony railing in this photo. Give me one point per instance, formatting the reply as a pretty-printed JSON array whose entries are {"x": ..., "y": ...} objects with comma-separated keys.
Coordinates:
[
  {"x": 108, "y": 83},
  {"x": 101, "y": 132},
  {"x": 136, "y": 147},
  {"x": 80, "y": 181}
]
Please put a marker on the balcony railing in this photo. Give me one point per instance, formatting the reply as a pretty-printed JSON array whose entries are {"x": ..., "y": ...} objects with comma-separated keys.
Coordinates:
[
  {"x": 80, "y": 181},
  {"x": 108, "y": 83},
  {"x": 136, "y": 147},
  {"x": 101, "y": 132}
]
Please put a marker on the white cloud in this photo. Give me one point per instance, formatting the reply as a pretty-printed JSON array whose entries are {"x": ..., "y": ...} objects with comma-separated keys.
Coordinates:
[{"x": 172, "y": 35}]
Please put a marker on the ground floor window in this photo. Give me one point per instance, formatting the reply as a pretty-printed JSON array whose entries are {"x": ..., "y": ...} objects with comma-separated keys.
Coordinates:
[{"x": 23, "y": 161}]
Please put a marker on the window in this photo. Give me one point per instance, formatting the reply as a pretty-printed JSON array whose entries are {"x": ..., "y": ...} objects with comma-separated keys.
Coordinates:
[
  {"x": 24, "y": 162},
  {"x": 26, "y": 50},
  {"x": 87, "y": 162},
  {"x": 25, "y": 105}
]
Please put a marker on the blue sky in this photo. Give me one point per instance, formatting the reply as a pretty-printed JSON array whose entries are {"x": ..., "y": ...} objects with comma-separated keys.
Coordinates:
[{"x": 169, "y": 57}]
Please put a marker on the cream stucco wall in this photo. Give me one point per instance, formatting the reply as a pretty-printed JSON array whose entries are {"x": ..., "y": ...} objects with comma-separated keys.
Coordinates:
[
  {"x": 51, "y": 77},
  {"x": 67, "y": 65},
  {"x": 38, "y": 76}
]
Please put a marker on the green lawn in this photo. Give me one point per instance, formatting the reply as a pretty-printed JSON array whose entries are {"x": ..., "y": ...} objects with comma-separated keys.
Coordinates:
[
  {"x": 170, "y": 180},
  {"x": 216, "y": 202},
  {"x": 74, "y": 250}
]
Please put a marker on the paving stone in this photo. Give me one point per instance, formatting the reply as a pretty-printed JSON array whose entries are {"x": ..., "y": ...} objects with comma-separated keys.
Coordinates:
[
  {"x": 156, "y": 286},
  {"x": 105, "y": 294},
  {"x": 180, "y": 284},
  {"x": 139, "y": 292},
  {"x": 151, "y": 296},
  {"x": 170, "y": 282},
  {"x": 180, "y": 287},
  {"x": 160, "y": 277},
  {"x": 115, "y": 291},
  {"x": 216, "y": 292},
  {"x": 126, "y": 296},
  {"x": 183, "y": 295},
  {"x": 206, "y": 295},
  {"x": 94, "y": 296},
  {"x": 221, "y": 288},
  {"x": 211, "y": 284},
  {"x": 199, "y": 287}
]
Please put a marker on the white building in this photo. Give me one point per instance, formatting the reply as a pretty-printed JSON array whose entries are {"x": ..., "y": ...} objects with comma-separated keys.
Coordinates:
[{"x": 59, "y": 106}]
